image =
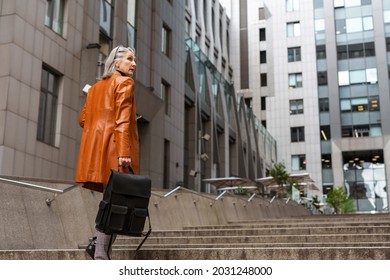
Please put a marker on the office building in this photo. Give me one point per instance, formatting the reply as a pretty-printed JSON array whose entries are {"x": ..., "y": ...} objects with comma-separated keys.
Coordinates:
[
  {"x": 316, "y": 73},
  {"x": 192, "y": 125}
]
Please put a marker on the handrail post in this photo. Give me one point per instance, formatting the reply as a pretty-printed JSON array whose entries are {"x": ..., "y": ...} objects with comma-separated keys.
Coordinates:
[
  {"x": 172, "y": 191},
  {"x": 252, "y": 196},
  {"x": 218, "y": 197},
  {"x": 50, "y": 200}
]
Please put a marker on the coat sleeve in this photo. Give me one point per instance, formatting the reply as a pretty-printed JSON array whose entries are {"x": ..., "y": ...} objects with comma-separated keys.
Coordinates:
[
  {"x": 124, "y": 101},
  {"x": 82, "y": 117}
]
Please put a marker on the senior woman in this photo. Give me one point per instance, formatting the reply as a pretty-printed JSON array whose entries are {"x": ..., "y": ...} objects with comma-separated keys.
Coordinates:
[{"x": 110, "y": 136}]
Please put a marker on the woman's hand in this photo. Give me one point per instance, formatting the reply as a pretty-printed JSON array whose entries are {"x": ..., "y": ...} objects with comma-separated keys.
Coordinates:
[{"x": 124, "y": 161}]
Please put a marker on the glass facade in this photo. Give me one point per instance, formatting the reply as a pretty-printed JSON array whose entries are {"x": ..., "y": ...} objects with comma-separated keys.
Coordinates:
[
  {"x": 211, "y": 84},
  {"x": 365, "y": 179},
  {"x": 358, "y": 99},
  {"x": 357, "y": 70}
]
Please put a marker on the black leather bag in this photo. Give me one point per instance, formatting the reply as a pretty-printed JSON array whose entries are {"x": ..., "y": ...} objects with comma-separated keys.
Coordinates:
[{"x": 124, "y": 207}]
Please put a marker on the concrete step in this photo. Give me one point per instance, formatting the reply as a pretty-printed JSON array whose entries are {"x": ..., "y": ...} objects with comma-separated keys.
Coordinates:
[
  {"x": 275, "y": 231},
  {"x": 293, "y": 253},
  {"x": 285, "y": 225},
  {"x": 254, "y": 245},
  {"x": 318, "y": 218},
  {"x": 356, "y": 237},
  {"x": 260, "y": 239}
]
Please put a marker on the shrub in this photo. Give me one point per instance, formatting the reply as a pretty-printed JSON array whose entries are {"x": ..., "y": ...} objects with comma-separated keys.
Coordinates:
[{"x": 340, "y": 201}]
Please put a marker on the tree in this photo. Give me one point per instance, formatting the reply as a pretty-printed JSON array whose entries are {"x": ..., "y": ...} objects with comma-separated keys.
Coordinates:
[
  {"x": 281, "y": 177},
  {"x": 340, "y": 201},
  {"x": 279, "y": 173}
]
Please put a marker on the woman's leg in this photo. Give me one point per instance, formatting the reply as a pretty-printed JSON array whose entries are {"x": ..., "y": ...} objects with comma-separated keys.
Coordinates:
[{"x": 104, "y": 242}]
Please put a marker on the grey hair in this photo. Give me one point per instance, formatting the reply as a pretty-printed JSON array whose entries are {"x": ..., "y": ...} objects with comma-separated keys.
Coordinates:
[{"x": 115, "y": 55}]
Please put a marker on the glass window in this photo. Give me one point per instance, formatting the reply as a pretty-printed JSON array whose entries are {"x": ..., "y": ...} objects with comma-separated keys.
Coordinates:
[
  {"x": 130, "y": 36},
  {"x": 388, "y": 44},
  {"x": 338, "y": 3},
  {"x": 368, "y": 23},
  {"x": 386, "y": 16},
  {"x": 322, "y": 78},
  {"x": 372, "y": 76},
  {"x": 54, "y": 17},
  {"x": 261, "y": 14},
  {"x": 131, "y": 6},
  {"x": 296, "y": 107},
  {"x": 319, "y": 25},
  {"x": 294, "y": 54},
  {"x": 352, "y": 3},
  {"x": 318, "y": 4},
  {"x": 374, "y": 104},
  {"x": 298, "y": 162},
  {"x": 325, "y": 132},
  {"x": 342, "y": 52},
  {"x": 346, "y": 131},
  {"x": 165, "y": 95},
  {"x": 357, "y": 77},
  {"x": 359, "y": 104},
  {"x": 295, "y": 80},
  {"x": 361, "y": 131},
  {"x": 340, "y": 26},
  {"x": 48, "y": 106},
  {"x": 205, "y": 15},
  {"x": 354, "y": 25},
  {"x": 106, "y": 17},
  {"x": 263, "y": 57},
  {"x": 343, "y": 78},
  {"x": 297, "y": 134},
  {"x": 321, "y": 51},
  {"x": 355, "y": 51},
  {"x": 292, "y": 5},
  {"x": 166, "y": 40},
  {"x": 369, "y": 49},
  {"x": 262, "y": 34},
  {"x": 326, "y": 160},
  {"x": 248, "y": 101},
  {"x": 263, "y": 79},
  {"x": 323, "y": 104},
  {"x": 375, "y": 130},
  {"x": 263, "y": 103},
  {"x": 359, "y": 24},
  {"x": 345, "y": 105},
  {"x": 293, "y": 29}
]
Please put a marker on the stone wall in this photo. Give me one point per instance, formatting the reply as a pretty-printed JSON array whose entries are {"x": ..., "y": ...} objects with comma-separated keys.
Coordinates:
[{"x": 27, "y": 222}]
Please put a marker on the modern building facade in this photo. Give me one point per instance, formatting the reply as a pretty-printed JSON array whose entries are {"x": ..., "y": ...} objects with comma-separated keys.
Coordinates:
[
  {"x": 192, "y": 125},
  {"x": 319, "y": 81}
]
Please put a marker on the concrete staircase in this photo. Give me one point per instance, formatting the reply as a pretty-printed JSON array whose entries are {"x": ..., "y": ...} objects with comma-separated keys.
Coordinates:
[
  {"x": 348, "y": 237},
  {"x": 319, "y": 237}
]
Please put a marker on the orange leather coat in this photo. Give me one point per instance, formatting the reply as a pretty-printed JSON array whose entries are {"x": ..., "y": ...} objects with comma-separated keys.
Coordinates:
[{"x": 109, "y": 124}]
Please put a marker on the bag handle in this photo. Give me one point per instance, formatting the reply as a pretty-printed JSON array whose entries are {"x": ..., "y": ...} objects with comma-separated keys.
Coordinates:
[
  {"x": 130, "y": 168},
  {"x": 145, "y": 237}
]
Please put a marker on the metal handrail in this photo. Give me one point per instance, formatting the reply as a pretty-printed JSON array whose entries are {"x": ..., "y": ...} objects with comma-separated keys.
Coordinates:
[
  {"x": 187, "y": 190},
  {"x": 40, "y": 188},
  {"x": 219, "y": 196}
]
